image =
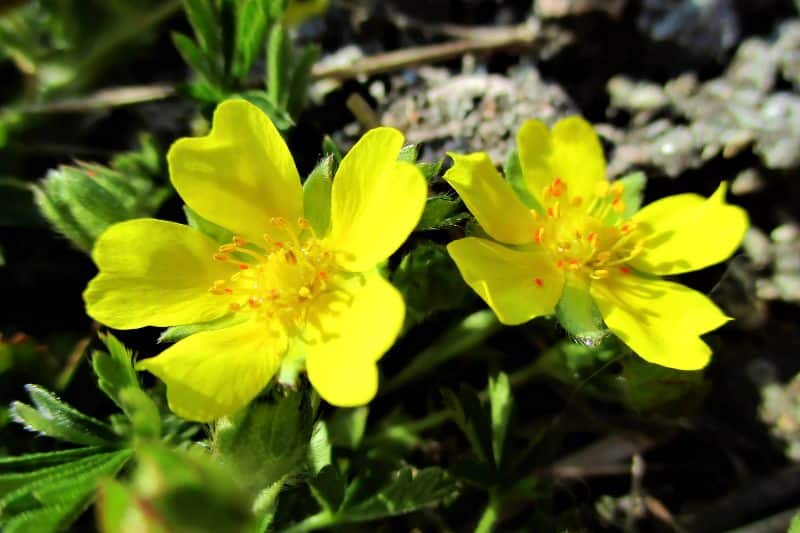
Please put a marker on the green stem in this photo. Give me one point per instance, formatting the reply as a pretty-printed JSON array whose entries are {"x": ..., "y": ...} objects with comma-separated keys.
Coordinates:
[
  {"x": 312, "y": 523},
  {"x": 490, "y": 514},
  {"x": 463, "y": 337}
]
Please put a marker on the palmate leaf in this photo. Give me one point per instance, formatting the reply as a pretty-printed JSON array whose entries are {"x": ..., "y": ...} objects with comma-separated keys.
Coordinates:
[
  {"x": 56, "y": 419},
  {"x": 403, "y": 491}
]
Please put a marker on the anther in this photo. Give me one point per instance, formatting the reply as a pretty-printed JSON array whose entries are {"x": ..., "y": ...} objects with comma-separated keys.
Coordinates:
[
  {"x": 322, "y": 274},
  {"x": 560, "y": 263},
  {"x": 601, "y": 189},
  {"x": 618, "y": 205},
  {"x": 239, "y": 241},
  {"x": 220, "y": 257},
  {"x": 625, "y": 270},
  {"x": 303, "y": 223},
  {"x": 243, "y": 266},
  {"x": 602, "y": 257},
  {"x": 304, "y": 292},
  {"x": 547, "y": 192},
  {"x": 234, "y": 306},
  {"x": 539, "y": 282},
  {"x": 617, "y": 189},
  {"x": 574, "y": 265},
  {"x": 279, "y": 222},
  {"x": 539, "y": 237},
  {"x": 290, "y": 257},
  {"x": 600, "y": 273},
  {"x": 593, "y": 239},
  {"x": 576, "y": 201},
  {"x": 225, "y": 248},
  {"x": 254, "y": 302},
  {"x": 558, "y": 187},
  {"x": 564, "y": 246}
]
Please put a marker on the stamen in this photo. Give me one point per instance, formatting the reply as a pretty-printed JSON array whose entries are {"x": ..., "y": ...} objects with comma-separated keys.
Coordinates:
[
  {"x": 279, "y": 222},
  {"x": 617, "y": 189},
  {"x": 625, "y": 270},
  {"x": 558, "y": 187},
  {"x": 601, "y": 189},
  {"x": 547, "y": 192},
  {"x": 243, "y": 266},
  {"x": 618, "y": 205},
  {"x": 225, "y": 248},
  {"x": 254, "y": 302},
  {"x": 303, "y": 223},
  {"x": 234, "y": 306},
  {"x": 220, "y": 257},
  {"x": 304, "y": 292},
  {"x": 576, "y": 201},
  {"x": 239, "y": 241},
  {"x": 600, "y": 273},
  {"x": 574, "y": 265},
  {"x": 290, "y": 258},
  {"x": 539, "y": 282},
  {"x": 539, "y": 237},
  {"x": 593, "y": 239}
]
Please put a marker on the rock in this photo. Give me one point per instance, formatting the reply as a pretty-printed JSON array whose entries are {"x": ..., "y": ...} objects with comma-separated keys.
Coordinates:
[{"x": 569, "y": 8}]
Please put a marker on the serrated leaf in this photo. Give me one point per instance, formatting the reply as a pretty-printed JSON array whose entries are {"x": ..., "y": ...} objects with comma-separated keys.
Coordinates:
[
  {"x": 501, "y": 403},
  {"x": 440, "y": 212},
  {"x": 44, "y": 520},
  {"x": 59, "y": 420},
  {"x": 57, "y": 213},
  {"x": 406, "y": 491},
  {"x": 431, "y": 170},
  {"x": 320, "y": 449},
  {"x": 317, "y": 196},
  {"x": 301, "y": 78},
  {"x": 473, "y": 420},
  {"x": 328, "y": 488}
]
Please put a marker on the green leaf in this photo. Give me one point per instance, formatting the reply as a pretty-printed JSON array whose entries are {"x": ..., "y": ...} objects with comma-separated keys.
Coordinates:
[
  {"x": 113, "y": 369},
  {"x": 269, "y": 442},
  {"x": 471, "y": 332},
  {"x": 649, "y": 388},
  {"x": 251, "y": 24},
  {"x": 279, "y": 61},
  {"x": 276, "y": 113},
  {"x": 632, "y": 197},
  {"x": 142, "y": 412},
  {"x": 441, "y": 211},
  {"x": 513, "y": 173},
  {"x": 794, "y": 526},
  {"x": 114, "y": 500},
  {"x": 501, "y": 404},
  {"x": 430, "y": 170},
  {"x": 402, "y": 492},
  {"x": 195, "y": 58},
  {"x": 33, "y": 461},
  {"x": 204, "y": 23},
  {"x": 429, "y": 281},
  {"x": 328, "y": 488},
  {"x": 43, "y": 520},
  {"x": 320, "y": 449},
  {"x": 347, "y": 426},
  {"x": 176, "y": 333},
  {"x": 408, "y": 153},
  {"x": 52, "y": 206},
  {"x": 301, "y": 79},
  {"x": 317, "y": 196},
  {"x": 56, "y": 419},
  {"x": 578, "y": 314},
  {"x": 473, "y": 420},
  {"x": 218, "y": 233}
]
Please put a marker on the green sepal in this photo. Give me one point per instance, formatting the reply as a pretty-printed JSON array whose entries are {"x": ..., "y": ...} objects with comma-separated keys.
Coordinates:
[
  {"x": 578, "y": 314},
  {"x": 512, "y": 170},
  {"x": 218, "y": 233},
  {"x": 177, "y": 333},
  {"x": 441, "y": 211},
  {"x": 409, "y": 153},
  {"x": 632, "y": 197},
  {"x": 317, "y": 196}
]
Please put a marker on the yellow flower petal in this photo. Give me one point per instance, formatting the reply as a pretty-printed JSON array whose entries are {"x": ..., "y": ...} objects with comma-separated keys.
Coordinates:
[
  {"x": 490, "y": 198},
  {"x": 350, "y": 331},
  {"x": 686, "y": 232},
  {"x": 659, "y": 320},
  {"x": 241, "y": 174},
  {"x": 570, "y": 151},
  {"x": 154, "y": 273},
  {"x": 215, "y": 373},
  {"x": 518, "y": 286},
  {"x": 376, "y": 200}
]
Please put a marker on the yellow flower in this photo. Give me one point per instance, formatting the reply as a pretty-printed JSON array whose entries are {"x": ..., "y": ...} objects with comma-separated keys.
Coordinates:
[
  {"x": 582, "y": 239},
  {"x": 294, "y": 288}
]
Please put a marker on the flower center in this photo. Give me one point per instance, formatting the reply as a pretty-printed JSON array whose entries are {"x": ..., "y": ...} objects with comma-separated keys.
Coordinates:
[
  {"x": 279, "y": 279},
  {"x": 587, "y": 237}
]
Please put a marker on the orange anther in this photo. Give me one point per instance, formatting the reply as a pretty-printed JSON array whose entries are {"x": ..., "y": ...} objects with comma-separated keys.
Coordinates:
[
  {"x": 625, "y": 270},
  {"x": 274, "y": 294},
  {"x": 243, "y": 266},
  {"x": 574, "y": 265},
  {"x": 322, "y": 274},
  {"x": 234, "y": 306},
  {"x": 618, "y": 206},
  {"x": 547, "y": 192},
  {"x": 220, "y": 257},
  {"x": 279, "y": 222},
  {"x": 228, "y": 290},
  {"x": 593, "y": 239},
  {"x": 225, "y": 248},
  {"x": 239, "y": 240},
  {"x": 290, "y": 257},
  {"x": 539, "y": 236},
  {"x": 560, "y": 263},
  {"x": 576, "y": 201},
  {"x": 539, "y": 282},
  {"x": 600, "y": 273},
  {"x": 558, "y": 187},
  {"x": 304, "y": 292},
  {"x": 303, "y": 223},
  {"x": 617, "y": 189}
]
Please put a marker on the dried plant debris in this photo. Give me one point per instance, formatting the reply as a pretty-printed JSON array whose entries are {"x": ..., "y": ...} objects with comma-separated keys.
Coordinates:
[
  {"x": 744, "y": 108},
  {"x": 780, "y": 410},
  {"x": 474, "y": 110}
]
